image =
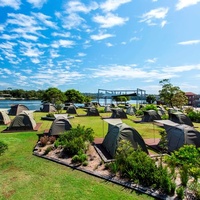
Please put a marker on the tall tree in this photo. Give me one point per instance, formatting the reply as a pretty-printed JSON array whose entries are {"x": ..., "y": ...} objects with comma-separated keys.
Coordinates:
[
  {"x": 150, "y": 99},
  {"x": 170, "y": 94},
  {"x": 53, "y": 95},
  {"x": 74, "y": 96}
]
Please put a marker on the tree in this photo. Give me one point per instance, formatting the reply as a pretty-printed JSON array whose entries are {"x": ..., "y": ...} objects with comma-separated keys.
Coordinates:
[
  {"x": 150, "y": 98},
  {"x": 169, "y": 93},
  {"x": 74, "y": 96},
  {"x": 179, "y": 99},
  {"x": 121, "y": 98},
  {"x": 53, "y": 95}
]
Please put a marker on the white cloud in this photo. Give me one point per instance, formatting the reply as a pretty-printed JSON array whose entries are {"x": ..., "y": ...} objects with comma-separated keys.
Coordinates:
[
  {"x": 63, "y": 43},
  {"x": 153, "y": 60},
  {"x": 152, "y": 16},
  {"x": 101, "y": 36},
  {"x": 72, "y": 21},
  {"x": 81, "y": 54},
  {"x": 66, "y": 34},
  {"x": 109, "y": 20},
  {"x": 185, "y": 3},
  {"x": 54, "y": 53},
  {"x": 12, "y": 3},
  {"x": 77, "y": 6},
  {"x": 183, "y": 68},
  {"x": 45, "y": 20},
  {"x": 32, "y": 52},
  {"x": 134, "y": 39},
  {"x": 190, "y": 42},
  {"x": 163, "y": 23},
  {"x": 37, "y": 3},
  {"x": 108, "y": 44},
  {"x": 111, "y": 5},
  {"x": 35, "y": 60}
]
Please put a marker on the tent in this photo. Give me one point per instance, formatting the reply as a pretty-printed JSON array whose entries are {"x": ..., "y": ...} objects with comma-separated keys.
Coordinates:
[
  {"x": 107, "y": 108},
  {"x": 48, "y": 107},
  {"x": 71, "y": 109},
  {"x": 17, "y": 109},
  {"x": 23, "y": 121},
  {"x": 59, "y": 126},
  {"x": 4, "y": 118},
  {"x": 92, "y": 111},
  {"x": 180, "y": 134},
  {"x": 180, "y": 118},
  {"x": 150, "y": 116},
  {"x": 131, "y": 110},
  {"x": 118, "y": 113},
  {"x": 117, "y": 130}
]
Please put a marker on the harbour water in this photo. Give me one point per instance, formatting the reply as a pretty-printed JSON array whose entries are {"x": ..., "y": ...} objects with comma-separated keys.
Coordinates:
[{"x": 37, "y": 104}]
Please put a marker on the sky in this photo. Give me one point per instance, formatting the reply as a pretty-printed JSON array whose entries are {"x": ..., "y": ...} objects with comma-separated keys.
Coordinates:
[{"x": 104, "y": 44}]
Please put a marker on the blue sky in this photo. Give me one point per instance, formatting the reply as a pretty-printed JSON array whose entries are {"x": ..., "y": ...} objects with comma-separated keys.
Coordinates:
[{"x": 104, "y": 44}]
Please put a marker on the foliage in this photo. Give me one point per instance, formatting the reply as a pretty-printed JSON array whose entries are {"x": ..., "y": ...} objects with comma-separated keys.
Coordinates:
[
  {"x": 194, "y": 116},
  {"x": 44, "y": 140},
  {"x": 76, "y": 140},
  {"x": 50, "y": 115},
  {"x": 80, "y": 158},
  {"x": 171, "y": 95},
  {"x": 74, "y": 96},
  {"x": 195, "y": 187},
  {"x": 150, "y": 98},
  {"x": 53, "y": 95},
  {"x": 87, "y": 99},
  {"x": 163, "y": 144},
  {"x": 180, "y": 192},
  {"x": 179, "y": 99},
  {"x": 140, "y": 168},
  {"x": 3, "y": 147},
  {"x": 139, "y": 113},
  {"x": 121, "y": 98},
  {"x": 150, "y": 107},
  {"x": 189, "y": 109},
  {"x": 59, "y": 106}
]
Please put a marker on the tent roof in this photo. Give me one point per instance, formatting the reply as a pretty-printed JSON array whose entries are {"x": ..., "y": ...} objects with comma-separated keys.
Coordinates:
[
  {"x": 113, "y": 121},
  {"x": 62, "y": 115},
  {"x": 166, "y": 122}
]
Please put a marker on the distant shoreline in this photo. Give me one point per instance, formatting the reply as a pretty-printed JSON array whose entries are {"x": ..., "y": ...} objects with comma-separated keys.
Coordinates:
[{"x": 14, "y": 99}]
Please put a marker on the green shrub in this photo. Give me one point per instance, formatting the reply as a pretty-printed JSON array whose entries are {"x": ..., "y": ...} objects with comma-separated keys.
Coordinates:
[
  {"x": 180, "y": 192},
  {"x": 139, "y": 113},
  {"x": 75, "y": 140},
  {"x": 195, "y": 188},
  {"x": 50, "y": 115},
  {"x": 194, "y": 116},
  {"x": 163, "y": 144},
  {"x": 150, "y": 107},
  {"x": 184, "y": 175},
  {"x": 3, "y": 147},
  {"x": 81, "y": 158},
  {"x": 47, "y": 150},
  {"x": 189, "y": 109}
]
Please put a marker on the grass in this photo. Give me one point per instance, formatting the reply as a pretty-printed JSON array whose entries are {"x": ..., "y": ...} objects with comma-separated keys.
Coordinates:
[{"x": 24, "y": 176}]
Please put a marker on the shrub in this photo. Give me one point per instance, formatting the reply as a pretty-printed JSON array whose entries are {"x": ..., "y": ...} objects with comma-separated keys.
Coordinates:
[
  {"x": 189, "y": 109},
  {"x": 163, "y": 144},
  {"x": 47, "y": 150},
  {"x": 75, "y": 140},
  {"x": 52, "y": 139},
  {"x": 3, "y": 147},
  {"x": 180, "y": 192},
  {"x": 81, "y": 158},
  {"x": 139, "y": 113},
  {"x": 150, "y": 107},
  {"x": 50, "y": 115},
  {"x": 44, "y": 140},
  {"x": 194, "y": 116}
]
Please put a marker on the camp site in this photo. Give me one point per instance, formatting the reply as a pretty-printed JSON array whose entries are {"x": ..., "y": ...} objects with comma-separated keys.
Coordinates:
[{"x": 91, "y": 144}]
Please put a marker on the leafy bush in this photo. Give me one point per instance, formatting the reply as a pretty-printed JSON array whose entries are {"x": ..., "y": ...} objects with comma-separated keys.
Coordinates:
[
  {"x": 139, "y": 113},
  {"x": 163, "y": 144},
  {"x": 140, "y": 168},
  {"x": 180, "y": 192},
  {"x": 3, "y": 147},
  {"x": 50, "y": 115},
  {"x": 150, "y": 107},
  {"x": 194, "y": 116},
  {"x": 189, "y": 109},
  {"x": 80, "y": 158},
  {"x": 75, "y": 140}
]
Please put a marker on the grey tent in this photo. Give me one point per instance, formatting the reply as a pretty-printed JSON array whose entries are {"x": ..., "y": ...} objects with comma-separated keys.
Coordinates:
[
  {"x": 107, "y": 108},
  {"x": 92, "y": 111},
  {"x": 117, "y": 130},
  {"x": 180, "y": 134},
  {"x": 118, "y": 113},
  {"x": 23, "y": 121},
  {"x": 48, "y": 107},
  {"x": 4, "y": 118},
  {"x": 131, "y": 110},
  {"x": 17, "y": 109},
  {"x": 180, "y": 118},
  {"x": 59, "y": 126},
  {"x": 150, "y": 116},
  {"x": 71, "y": 109}
]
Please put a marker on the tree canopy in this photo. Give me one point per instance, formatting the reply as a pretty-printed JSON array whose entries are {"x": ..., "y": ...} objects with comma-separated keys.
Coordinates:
[
  {"x": 172, "y": 95},
  {"x": 150, "y": 98},
  {"x": 74, "y": 96},
  {"x": 53, "y": 95}
]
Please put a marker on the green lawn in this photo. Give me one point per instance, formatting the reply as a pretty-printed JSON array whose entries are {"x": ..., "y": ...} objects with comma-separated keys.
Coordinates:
[{"x": 24, "y": 176}]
